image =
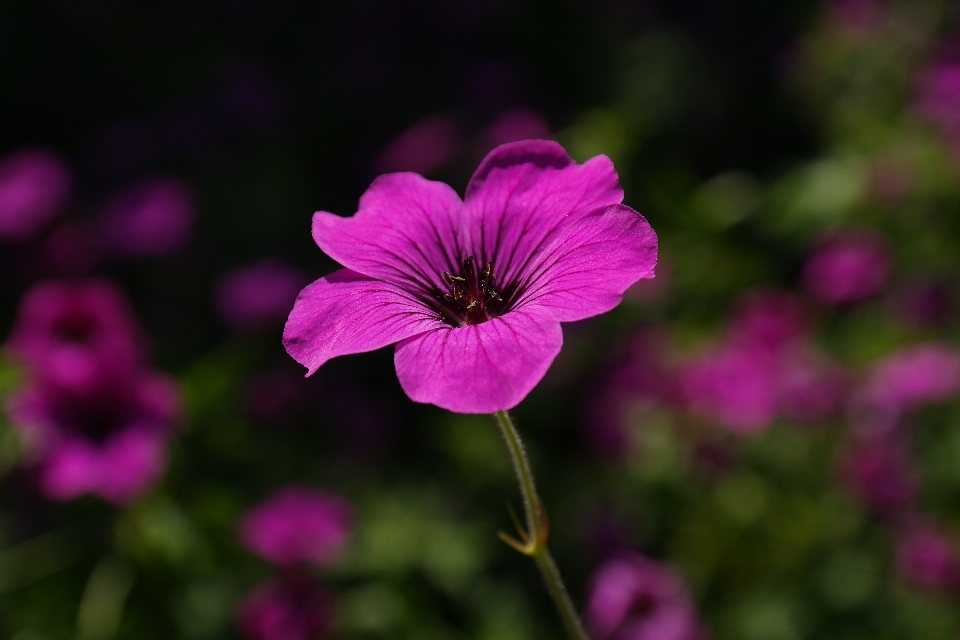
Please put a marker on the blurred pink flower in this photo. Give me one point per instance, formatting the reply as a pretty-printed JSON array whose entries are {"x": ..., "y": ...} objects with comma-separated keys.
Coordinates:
[
  {"x": 514, "y": 125},
  {"x": 95, "y": 418},
  {"x": 34, "y": 187},
  {"x": 297, "y": 524},
  {"x": 938, "y": 100},
  {"x": 848, "y": 266},
  {"x": 880, "y": 472},
  {"x": 929, "y": 558},
  {"x": 764, "y": 368},
  {"x": 151, "y": 218},
  {"x": 767, "y": 319},
  {"x": 423, "y": 148},
  {"x": 646, "y": 379},
  {"x": 903, "y": 381},
  {"x": 111, "y": 442},
  {"x": 291, "y": 607},
  {"x": 635, "y": 598},
  {"x": 259, "y": 294},
  {"x": 77, "y": 337},
  {"x": 856, "y": 16},
  {"x": 734, "y": 386}
]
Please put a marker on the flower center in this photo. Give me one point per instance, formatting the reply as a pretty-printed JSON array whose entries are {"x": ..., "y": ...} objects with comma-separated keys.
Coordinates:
[{"x": 471, "y": 294}]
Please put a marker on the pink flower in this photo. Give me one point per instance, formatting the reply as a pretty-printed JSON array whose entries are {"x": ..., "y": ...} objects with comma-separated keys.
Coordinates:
[
  {"x": 473, "y": 290},
  {"x": 291, "y": 607},
  {"x": 34, "y": 186},
  {"x": 847, "y": 267},
  {"x": 938, "y": 100},
  {"x": 764, "y": 368},
  {"x": 96, "y": 419},
  {"x": 928, "y": 558},
  {"x": 297, "y": 524},
  {"x": 151, "y": 218},
  {"x": 423, "y": 148},
  {"x": 880, "y": 472},
  {"x": 733, "y": 386},
  {"x": 111, "y": 443},
  {"x": 635, "y": 598},
  {"x": 514, "y": 125},
  {"x": 903, "y": 381},
  {"x": 77, "y": 337},
  {"x": 259, "y": 294}
]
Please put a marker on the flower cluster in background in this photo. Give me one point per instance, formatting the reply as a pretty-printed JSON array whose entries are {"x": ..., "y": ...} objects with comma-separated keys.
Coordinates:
[{"x": 760, "y": 443}]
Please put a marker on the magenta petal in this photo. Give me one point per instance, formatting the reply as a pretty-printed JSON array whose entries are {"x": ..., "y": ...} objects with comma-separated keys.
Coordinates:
[
  {"x": 131, "y": 462},
  {"x": 346, "y": 312},
  {"x": 524, "y": 193},
  {"x": 71, "y": 470},
  {"x": 479, "y": 368},
  {"x": 408, "y": 231},
  {"x": 586, "y": 269}
]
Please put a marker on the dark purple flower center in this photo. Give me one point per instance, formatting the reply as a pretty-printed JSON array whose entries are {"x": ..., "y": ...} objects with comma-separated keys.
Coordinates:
[
  {"x": 642, "y": 606},
  {"x": 471, "y": 298},
  {"x": 96, "y": 418},
  {"x": 75, "y": 327}
]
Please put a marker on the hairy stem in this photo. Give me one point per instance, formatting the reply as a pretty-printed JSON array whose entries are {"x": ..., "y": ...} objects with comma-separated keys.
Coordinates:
[{"x": 534, "y": 539}]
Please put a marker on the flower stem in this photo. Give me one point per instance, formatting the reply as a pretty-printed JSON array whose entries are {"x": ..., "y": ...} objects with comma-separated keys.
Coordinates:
[{"x": 534, "y": 540}]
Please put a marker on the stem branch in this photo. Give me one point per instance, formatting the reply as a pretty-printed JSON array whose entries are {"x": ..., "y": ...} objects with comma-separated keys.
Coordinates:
[{"x": 534, "y": 539}]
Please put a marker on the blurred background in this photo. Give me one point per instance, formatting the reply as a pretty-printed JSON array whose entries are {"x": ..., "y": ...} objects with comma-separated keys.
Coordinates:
[{"x": 762, "y": 443}]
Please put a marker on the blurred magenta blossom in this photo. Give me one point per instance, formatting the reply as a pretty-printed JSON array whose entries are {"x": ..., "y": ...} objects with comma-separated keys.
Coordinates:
[
  {"x": 765, "y": 367},
  {"x": 644, "y": 381},
  {"x": 928, "y": 557},
  {"x": 635, "y": 598},
  {"x": 259, "y": 294},
  {"x": 514, "y": 125},
  {"x": 289, "y": 607},
  {"x": 903, "y": 381},
  {"x": 473, "y": 290},
  {"x": 34, "y": 187},
  {"x": 151, "y": 218},
  {"x": 881, "y": 473},
  {"x": 423, "y": 148},
  {"x": 938, "y": 100},
  {"x": 848, "y": 266},
  {"x": 78, "y": 337},
  {"x": 96, "y": 418},
  {"x": 298, "y": 524}
]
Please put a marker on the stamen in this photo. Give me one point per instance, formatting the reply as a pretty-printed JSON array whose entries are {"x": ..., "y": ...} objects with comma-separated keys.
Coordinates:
[{"x": 471, "y": 292}]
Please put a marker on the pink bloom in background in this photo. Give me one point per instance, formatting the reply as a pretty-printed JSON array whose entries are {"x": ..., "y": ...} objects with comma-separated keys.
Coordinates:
[
  {"x": 858, "y": 16},
  {"x": 928, "y": 557},
  {"x": 259, "y": 294},
  {"x": 733, "y": 386},
  {"x": 848, "y": 266},
  {"x": 151, "y": 218},
  {"x": 764, "y": 368},
  {"x": 635, "y": 598},
  {"x": 291, "y": 607},
  {"x": 903, "y": 381},
  {"x": 77, "y": 337},
  {"x": 96, "y": 419},
  {"x": 423, "y": 148},
  {"x": 938, "y": 100},
  {"x": 767, "y": 320},
  {"x": 473, "y": 290},
  {"x": 34, "y": 187},
  {"x": 514, "y": 125},
  {"x": 644, "y": 381},
  {"x": 297, "y": 524},
  {"x": 880, "y": 473}
]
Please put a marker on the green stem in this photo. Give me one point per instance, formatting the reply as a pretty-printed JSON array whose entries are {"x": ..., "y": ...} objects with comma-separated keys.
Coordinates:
[{"x": 535, "y": 538}]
